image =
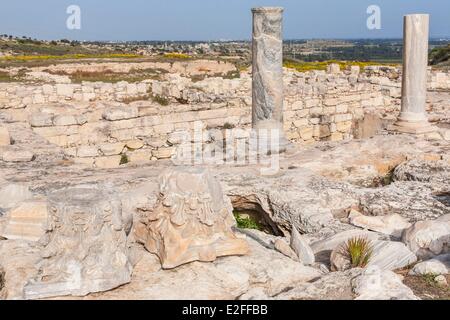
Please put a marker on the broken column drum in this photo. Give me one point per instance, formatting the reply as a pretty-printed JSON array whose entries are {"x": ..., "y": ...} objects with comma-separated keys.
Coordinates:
[
  {"x": 85, "y": 247},
  {"x": 191, "y": 221}
]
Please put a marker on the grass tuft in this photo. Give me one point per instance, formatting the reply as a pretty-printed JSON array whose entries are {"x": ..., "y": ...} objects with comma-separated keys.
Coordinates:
[{"x": 358, "y": 250}]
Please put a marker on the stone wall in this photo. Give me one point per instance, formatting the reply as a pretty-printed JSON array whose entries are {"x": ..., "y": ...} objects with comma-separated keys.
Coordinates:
[
  {"x": 87, "y": 122},
  {"x": 20, "y": 96}
]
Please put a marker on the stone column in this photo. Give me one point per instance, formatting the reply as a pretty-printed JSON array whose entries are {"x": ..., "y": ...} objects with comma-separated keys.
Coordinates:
[
  {"x": 267, "y": 91},
  {"x": 413, "y": 118}
]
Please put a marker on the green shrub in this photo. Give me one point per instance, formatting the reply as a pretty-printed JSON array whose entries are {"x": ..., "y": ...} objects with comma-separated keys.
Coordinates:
[
  {"x": 359, "y": 251},
  {"x": 228, "y": 125},
  {"x": 246, "y": 222},
  {"x": 161, "y": 100},
  {"x": 124, "y": 159}
]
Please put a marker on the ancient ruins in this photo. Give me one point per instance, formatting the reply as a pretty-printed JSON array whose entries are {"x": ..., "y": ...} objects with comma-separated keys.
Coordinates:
[{"x": 108, "y": 194}]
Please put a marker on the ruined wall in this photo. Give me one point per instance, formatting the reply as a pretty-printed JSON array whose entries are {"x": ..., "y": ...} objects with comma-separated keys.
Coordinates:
[{"x": 93, "y": 128}]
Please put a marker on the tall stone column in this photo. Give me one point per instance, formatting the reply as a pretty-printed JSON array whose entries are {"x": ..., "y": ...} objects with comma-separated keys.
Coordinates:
[
  {"x": 413, "y": 118},
  {"x": 267, "y": 90}
]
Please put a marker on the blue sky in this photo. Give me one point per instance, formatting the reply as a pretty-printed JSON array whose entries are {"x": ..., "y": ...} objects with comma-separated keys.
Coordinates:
[{"x": 212, "y": 19}]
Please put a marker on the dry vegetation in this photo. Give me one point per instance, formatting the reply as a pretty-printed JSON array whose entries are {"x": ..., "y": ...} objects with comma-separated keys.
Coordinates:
[
  {"x": 110, "y": 76},
  {"x": 301, "y": 66}
]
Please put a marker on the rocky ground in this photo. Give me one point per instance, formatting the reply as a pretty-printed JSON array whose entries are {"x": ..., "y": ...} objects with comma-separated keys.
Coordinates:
[{"x": 391, "y": 189}]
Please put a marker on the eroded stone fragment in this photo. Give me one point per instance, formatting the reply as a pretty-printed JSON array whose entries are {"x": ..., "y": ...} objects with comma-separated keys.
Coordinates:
[
  {"x": 428, "y": 238},
  {"x": 301, "y": 247},
  {"x": 393, "y": 224},
  {"x": 85, "y": 250},
  {"x": 191, "y": 220},
  {"x": 377, "y": 284}
]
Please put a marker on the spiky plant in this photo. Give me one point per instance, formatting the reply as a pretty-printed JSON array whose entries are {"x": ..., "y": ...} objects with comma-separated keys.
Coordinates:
[{"x": 358, "y": 250}]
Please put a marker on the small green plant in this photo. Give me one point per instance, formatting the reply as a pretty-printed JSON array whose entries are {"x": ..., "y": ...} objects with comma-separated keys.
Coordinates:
[
  {"x": 228, "y": 125},
  {"x": 124, "y": 159},
  {"x": 161, "y": 100},
  {"x": 246, "y": 222},
  {"x": 182, "y": 101},
  {"x": 358, "y": 250},
  {"x": 429, "y": 279}
]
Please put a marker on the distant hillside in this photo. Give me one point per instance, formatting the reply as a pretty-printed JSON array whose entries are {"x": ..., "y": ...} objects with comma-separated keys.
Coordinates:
[{"x": 440, "y": 56}]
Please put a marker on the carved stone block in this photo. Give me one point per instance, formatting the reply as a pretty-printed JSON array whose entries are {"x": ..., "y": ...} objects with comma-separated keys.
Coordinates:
[
  {"x": 85, "y": 246},
  {"x": 191, "y": 220}
]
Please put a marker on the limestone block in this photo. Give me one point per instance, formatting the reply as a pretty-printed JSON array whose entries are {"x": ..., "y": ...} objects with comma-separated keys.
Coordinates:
[
  {"x": 41, "y": 120},
  {"x": 342, "y": 108},
  {"x": 108, "y": 162},
  {"x": 87, "y": 151},
  {"x": 140, "y": 156},
  {"x": 297, "y": 105},
  {"x": 120, "y": 113},
  {"x": 112, "y": 149},
  {"x": 336, "y": 136},
  {"x": 344, "y": 126},
  {"x": 17, "y": 155},
  {"x": 321, "y": 131},
  {"x": 164, "y": 153},
  {"x": 85, "y": 249},
  {"x": 47, "y": 89},
  {"x": 84, "y": 161},
  {"x": 65, "y": 120},
  {"x": 310, "y": 103},
  {"x": 291, "y": 135},
  {"x": 27, "y": 221},
  {"x": 134, "y": 144},
  {"x": 64, "y": 90},
  {"x": 191, "y": 220},
  {"x": 164, "y": 128},
  {"x": 306, "y": 133},
  {"x": 329, "y": 110},
  {"x": 5, "y": 139},
  {"x": 300, "y": 123}
]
